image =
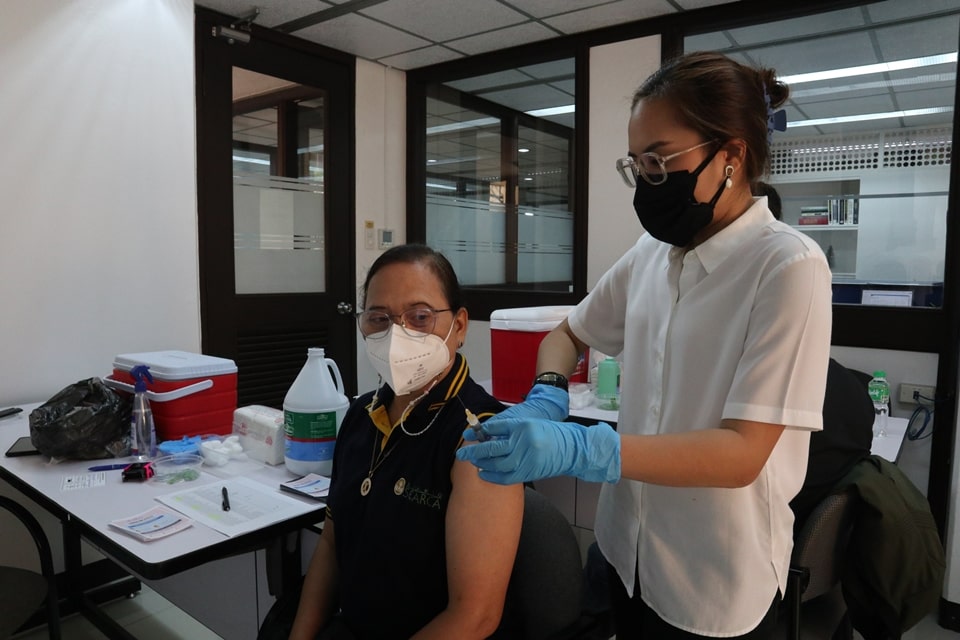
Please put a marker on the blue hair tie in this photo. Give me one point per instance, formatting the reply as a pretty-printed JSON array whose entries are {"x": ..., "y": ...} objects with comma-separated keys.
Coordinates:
[{"x": 776, "y": 120}]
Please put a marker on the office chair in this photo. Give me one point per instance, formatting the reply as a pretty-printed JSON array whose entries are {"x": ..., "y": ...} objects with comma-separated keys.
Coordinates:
[
  {"x": 22, "y": 591},
  {"x": 815, "y": 608},
  {"x": 545, "y": 594}
]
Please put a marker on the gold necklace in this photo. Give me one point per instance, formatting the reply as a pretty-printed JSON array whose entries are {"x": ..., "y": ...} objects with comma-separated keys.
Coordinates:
[{"x": 376, "y": 461}]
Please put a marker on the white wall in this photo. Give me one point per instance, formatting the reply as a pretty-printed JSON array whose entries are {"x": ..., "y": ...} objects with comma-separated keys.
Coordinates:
[
  {"x": 98, "y": 243},
  {"x": 381, "y": 121},
  {"x": 616, "y": 70},
  {"x": 98, "y": 248}
]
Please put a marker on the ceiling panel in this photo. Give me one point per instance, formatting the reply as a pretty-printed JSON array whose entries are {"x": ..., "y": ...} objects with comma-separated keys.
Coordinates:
[
  {"x": 503, "y": 38},
  {"x": 901, "y": 42},
  {"x": 362, "y": 37},
  {"x": 819, "y": 24},
  {"x": 420, "y": 57},
  {"x": 529, "y": 98},
  {"x": 544, "y": 8},
  {"x": 608, "y": 15},
  {"x": 886, "y": 11},
  {"x": 272, "y": 12},
  {"x": 447, "y": 20}
]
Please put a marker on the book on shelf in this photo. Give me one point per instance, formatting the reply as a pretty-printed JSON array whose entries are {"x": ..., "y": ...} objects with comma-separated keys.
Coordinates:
[{"x": 807, "y": 219}]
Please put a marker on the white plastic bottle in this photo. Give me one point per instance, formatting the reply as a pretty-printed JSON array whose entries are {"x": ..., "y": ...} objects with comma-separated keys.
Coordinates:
[
  {"x": 879, "y": 390},
  {"x": 313, "y": 410}
]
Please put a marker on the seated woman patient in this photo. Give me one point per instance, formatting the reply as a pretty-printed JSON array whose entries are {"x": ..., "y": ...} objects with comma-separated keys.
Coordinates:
[{"x": 414, "y": 544}]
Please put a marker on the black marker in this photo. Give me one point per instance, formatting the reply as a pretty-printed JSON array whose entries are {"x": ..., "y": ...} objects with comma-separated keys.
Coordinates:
[
  {"x": 12, "y": 411},
  {"x": 226, "y": 499}
]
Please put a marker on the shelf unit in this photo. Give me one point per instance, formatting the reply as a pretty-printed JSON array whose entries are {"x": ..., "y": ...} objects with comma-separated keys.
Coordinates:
[{"x": 838, "y": 241}]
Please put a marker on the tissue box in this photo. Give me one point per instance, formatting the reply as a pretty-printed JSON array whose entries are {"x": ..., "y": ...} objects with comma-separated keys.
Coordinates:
[{"x": 260, "y": 430}]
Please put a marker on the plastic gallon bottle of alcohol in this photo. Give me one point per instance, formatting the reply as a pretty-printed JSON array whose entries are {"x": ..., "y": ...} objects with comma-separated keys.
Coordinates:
[{"x": 312, "y": 412}]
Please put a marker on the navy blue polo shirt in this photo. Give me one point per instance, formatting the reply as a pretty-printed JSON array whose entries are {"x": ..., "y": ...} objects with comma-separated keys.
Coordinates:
[{"x": 390, "y": 544}]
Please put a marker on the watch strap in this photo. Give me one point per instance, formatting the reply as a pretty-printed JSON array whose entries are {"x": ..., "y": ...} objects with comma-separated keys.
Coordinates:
[{"x": 553, "y": 379}]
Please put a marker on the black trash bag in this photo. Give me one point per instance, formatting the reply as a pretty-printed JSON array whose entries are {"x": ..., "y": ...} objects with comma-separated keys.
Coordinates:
[{"x": 84, "y": 421}]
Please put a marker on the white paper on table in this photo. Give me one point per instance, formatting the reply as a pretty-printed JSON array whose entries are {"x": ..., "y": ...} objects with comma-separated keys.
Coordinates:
[
  {"x": 252, "y": 505},
  {"x": 153, "y": 524}
]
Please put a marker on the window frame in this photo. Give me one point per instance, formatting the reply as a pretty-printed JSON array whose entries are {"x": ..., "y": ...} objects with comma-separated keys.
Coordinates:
[{"x": 885, "y": 328}]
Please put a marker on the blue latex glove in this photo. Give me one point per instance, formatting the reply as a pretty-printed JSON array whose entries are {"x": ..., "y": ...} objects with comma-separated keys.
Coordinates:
[
  {"x": 543, "y": 401},
  {"x": 524, "y": 450}
]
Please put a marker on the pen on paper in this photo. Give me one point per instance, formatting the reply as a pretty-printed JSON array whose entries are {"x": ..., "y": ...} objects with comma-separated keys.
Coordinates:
[
  {"x": 12, "y": 411},
  {"x": 109, "y": 467},
  {"x": 226, "y": 499}
]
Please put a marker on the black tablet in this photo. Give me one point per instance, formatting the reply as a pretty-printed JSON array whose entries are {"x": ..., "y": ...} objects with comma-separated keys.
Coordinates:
[{"x": 22, "y": 447}]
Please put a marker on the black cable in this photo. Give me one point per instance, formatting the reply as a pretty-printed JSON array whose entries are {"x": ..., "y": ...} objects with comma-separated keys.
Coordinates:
[{"x": 921, "y": 432}]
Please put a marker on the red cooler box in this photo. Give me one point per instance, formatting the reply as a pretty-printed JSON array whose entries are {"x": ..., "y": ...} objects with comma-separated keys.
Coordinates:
[
  {"x": 515, "y": 336},
  {"x": 191, "y": 394}
]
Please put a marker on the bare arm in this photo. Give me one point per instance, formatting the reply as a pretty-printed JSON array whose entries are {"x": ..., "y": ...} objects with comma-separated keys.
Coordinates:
[
  {"x": 729, "y": 456},
  {"x": 483, "y": 529},
  {"x": 317, "y": 600},
  {"x": 559, "y": 351}
]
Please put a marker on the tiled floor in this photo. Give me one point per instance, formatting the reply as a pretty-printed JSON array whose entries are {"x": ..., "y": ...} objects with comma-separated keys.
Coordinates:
[{"x": 149, "y": 616}]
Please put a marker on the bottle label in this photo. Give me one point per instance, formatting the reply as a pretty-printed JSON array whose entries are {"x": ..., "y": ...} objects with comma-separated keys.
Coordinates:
[{"x": 310, "y": 436}]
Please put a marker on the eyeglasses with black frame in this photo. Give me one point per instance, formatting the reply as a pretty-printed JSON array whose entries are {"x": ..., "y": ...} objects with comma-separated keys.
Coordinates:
[
  {"x": 652, "y": 167},
  {"x": 416, "y": 322}
]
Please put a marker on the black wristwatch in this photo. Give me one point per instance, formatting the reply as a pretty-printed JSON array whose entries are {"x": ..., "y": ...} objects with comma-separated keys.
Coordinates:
[{"x": 553, "y": 379}]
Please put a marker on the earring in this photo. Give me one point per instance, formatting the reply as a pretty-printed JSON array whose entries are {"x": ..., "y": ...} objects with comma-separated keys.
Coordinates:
[
  {"x": 728, "y": 170},
  {"x": 461, "y": 345}
]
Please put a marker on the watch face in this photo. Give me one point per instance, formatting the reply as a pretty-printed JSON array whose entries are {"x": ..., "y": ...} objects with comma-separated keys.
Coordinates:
[{"x": 552, "y": 379}]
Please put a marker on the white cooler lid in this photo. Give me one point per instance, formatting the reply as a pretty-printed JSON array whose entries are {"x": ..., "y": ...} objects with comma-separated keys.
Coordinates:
[
  {"x": 176, "y": 365},
  {"x": 529, "y": 318}
]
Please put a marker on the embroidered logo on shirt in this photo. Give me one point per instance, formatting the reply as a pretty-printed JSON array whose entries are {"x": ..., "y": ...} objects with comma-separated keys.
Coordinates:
[{"x": 416, "y": 495}]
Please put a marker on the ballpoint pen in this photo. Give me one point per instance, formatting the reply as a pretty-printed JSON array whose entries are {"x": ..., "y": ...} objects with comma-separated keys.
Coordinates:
[
  {"x": 109, "y": 467},
  {"x": 12, "y": 411},
  {"x": 226, "y": 499}
]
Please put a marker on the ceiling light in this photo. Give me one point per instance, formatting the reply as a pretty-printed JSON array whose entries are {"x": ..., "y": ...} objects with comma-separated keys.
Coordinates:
[
  {"x": 466, "y": 124},
  {"x": 523, "y": 150},
  {"x": 861, "y": 117},
  {"x": 552, "y": 111},
  {"x": 431, "y": 161},
  {"x": 882, "y": 67},
  {"x": 528, "y": 179}
]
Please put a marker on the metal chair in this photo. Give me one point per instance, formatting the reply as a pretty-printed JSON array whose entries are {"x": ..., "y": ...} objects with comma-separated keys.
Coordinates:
[{"x": 22, "y": 591}]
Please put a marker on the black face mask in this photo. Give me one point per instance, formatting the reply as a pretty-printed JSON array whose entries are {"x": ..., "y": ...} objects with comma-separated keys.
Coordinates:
[{"x": 669, "y": 212}]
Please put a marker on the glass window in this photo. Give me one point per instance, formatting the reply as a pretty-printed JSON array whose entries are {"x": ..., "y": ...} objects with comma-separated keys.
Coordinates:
[
  {"x": 278, "y": 186},
  {"x": 863, "y": 167},
  {"x": 499, "y": 157}
]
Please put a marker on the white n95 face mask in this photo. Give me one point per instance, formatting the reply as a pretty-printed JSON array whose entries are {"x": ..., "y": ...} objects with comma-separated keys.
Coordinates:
[{"x": 408, "y": 363}]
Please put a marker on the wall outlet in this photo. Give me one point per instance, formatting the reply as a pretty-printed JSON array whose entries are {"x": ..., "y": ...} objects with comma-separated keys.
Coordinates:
[{"x": 907, "y": 389}]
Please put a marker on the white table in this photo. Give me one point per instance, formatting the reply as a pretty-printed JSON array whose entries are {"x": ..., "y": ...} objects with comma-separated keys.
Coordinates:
[
  {"x": 888, "y": 446},
  {"x": 85, "y": 513}
]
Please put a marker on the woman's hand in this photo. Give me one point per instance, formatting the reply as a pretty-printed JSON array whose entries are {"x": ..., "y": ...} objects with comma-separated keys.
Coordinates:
[{"x": 524, "y": 450}]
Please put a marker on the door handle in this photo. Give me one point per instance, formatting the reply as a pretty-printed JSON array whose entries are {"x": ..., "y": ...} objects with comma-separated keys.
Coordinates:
[{"x": 344, "y": 308}]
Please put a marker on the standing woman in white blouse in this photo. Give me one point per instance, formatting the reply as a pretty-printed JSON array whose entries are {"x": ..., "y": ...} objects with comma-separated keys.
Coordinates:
[{"x": 722, "y": 318}]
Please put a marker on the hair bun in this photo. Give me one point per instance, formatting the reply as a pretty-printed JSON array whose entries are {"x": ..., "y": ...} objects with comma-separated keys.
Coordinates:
[{"x": 778, "y": 91}]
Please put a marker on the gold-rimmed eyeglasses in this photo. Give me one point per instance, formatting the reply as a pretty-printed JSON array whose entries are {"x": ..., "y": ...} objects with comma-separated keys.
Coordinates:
[
  {"x": 651, "y": 166},
  {"x": 416, "y": 322}
]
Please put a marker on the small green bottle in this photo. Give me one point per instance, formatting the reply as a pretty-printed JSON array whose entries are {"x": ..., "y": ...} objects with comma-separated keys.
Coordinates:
[{"x": 608, "y": 384}]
